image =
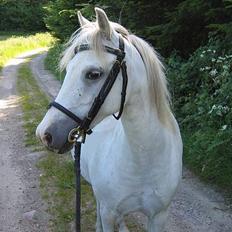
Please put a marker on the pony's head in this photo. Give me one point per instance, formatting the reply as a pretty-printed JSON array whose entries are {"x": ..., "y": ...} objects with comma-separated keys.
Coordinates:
[{"x": 86, "y": 72}]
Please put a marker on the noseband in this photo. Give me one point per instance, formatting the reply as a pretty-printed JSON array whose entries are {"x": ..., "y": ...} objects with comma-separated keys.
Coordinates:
[{"x": 119, "y": 64}]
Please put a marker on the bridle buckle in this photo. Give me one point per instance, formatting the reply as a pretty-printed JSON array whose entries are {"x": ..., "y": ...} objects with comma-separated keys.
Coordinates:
[{"x": 77, "y": 135}]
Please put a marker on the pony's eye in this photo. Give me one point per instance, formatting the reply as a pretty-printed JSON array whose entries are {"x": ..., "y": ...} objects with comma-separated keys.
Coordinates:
[{"x": 93, "y": 75}]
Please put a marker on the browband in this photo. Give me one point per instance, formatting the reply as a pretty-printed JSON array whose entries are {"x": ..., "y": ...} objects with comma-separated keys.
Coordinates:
[{"x": 114, "y": 51}]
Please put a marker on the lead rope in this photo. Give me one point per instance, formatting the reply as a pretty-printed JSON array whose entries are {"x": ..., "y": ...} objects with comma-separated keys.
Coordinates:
[
  {"x": 77, "y": 168},
  {"x": 77, "y": 136}
]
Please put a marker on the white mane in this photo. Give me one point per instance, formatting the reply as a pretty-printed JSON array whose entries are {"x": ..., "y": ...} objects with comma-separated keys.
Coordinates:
[{"x": 159, "y": 94}]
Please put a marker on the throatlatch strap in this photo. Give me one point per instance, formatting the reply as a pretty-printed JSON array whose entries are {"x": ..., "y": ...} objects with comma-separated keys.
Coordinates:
[{"x": 124, "y": 87}]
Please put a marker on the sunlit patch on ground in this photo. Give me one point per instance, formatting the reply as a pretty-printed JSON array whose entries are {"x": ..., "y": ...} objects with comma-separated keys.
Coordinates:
[{"x": 11, "y": 102}]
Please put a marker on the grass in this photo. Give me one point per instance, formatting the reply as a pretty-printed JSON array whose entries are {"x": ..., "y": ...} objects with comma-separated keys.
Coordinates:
[
  {"x": 33, "y": 103},
  {"x": 12, "y": 45},
  {"x": 58, "y": 181}
]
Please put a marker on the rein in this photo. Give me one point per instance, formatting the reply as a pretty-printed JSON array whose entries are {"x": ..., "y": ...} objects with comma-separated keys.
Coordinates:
[{"x": 78, "y": 134}]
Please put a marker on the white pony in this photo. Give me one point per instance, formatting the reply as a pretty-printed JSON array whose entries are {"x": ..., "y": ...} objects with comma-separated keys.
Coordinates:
[{"x": 133, "y": 164}]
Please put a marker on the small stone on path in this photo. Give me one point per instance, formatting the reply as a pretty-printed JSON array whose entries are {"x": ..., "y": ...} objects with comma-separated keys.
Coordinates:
[{"x": 29, "y": 215}]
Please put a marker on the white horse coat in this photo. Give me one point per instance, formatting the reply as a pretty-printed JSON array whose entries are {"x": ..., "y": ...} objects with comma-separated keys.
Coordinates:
[{"x": 133, "y": 164}]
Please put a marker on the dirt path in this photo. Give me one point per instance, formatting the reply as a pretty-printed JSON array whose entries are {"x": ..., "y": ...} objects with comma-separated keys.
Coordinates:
[
  {"x": 21, "y": 207},
  {"x": 196, "y": 207}
]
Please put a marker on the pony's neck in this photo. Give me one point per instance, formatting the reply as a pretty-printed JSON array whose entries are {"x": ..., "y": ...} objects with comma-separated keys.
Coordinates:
[{"x": 144, "y": 133}]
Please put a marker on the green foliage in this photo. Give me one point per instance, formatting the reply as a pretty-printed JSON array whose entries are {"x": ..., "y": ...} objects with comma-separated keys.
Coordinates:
[
  {"x": 188, "y": 26},
  {"x": 184, "y": 30},
  {"x": 52, "y": 60},
  {"x": 61, "y": 17},
  {"x": 169, "y": 25},
  {"x": 208, "y": 153},
  {"x": 201, "y": 87},
  {"x": 205, "y": 77},
  {"x": 24, "y": 15}
]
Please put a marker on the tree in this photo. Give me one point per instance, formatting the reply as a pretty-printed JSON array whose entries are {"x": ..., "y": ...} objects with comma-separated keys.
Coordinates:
[
  {"x": 180, "y": 25},
  {"x": 61, "y": 17},
  {"x": 26, "y": 15}
]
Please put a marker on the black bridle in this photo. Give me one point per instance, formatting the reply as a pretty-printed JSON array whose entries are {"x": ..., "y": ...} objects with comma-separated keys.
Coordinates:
[
  {"x": 119, "y": 64},
  {"x": 78, "y": 134}
]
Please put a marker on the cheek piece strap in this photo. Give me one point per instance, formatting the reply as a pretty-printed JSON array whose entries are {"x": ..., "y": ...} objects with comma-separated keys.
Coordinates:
[{"x": 119, "y": 64}]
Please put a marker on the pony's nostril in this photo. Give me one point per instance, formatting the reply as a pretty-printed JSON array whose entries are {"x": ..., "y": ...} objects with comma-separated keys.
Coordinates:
[{"x": 48, "y": 138}]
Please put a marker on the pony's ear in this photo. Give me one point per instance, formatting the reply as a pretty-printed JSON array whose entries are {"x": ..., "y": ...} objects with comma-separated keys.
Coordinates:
[
  {"x": 103, "y": 22},
  {"x": 82, "y": 20}
]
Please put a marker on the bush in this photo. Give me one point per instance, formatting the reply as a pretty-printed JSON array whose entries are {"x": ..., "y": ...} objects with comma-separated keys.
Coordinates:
[
  {"x": 61, "y": 18},
  {"x": 188, "y": 26},
  {"x": 181, "y": 25},
  {"x": 201, "y": 87},
  {"x": 208, "y": 154},
  {"x": 52, "y": 60}
]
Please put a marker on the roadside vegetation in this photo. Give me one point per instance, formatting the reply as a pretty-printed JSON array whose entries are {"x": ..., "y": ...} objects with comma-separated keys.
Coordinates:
[
  {"x": 52, "y": 60},
  {"x": 12, "y": 45},
  {"x": 202, "y": 101},
  {"x": 33, "y": 103}
]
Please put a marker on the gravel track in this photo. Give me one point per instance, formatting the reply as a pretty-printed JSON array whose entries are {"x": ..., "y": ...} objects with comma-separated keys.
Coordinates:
[{"x": 21, "y": 207}]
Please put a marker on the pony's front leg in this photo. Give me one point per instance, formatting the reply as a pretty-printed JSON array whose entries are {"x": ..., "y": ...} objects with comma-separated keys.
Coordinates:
[
  {"x": 156, "y": 223},
  {"x": 99, "y": 222},
  {"x": 107, "y": 218}
]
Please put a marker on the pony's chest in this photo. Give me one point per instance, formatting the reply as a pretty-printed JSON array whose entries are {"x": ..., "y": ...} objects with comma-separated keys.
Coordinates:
[{"x": 124, "y": 198}]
